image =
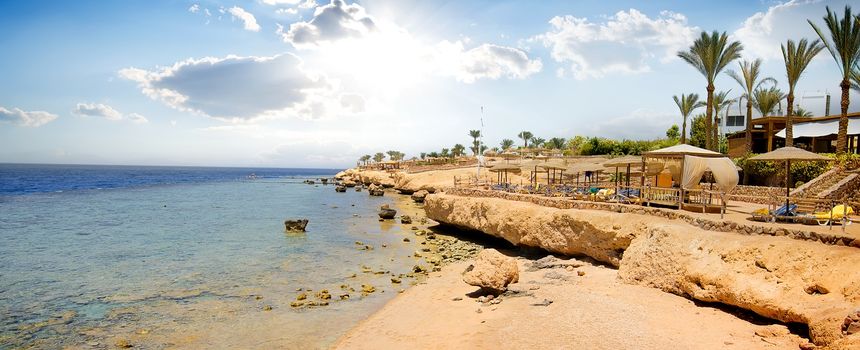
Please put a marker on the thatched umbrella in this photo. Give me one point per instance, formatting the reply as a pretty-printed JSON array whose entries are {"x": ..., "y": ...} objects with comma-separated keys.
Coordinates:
[
  {"x": 504, "y": 169},
  {"x": 509, "y": 155},
  {"x": 625, "y": 161},
  {"x": 787, "y": 154},
  {"x": 583, "y": 167},
  {"x": 552, "y": 167}
]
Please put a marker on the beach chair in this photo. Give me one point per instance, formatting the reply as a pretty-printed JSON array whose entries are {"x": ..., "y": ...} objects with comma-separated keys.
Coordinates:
[
  {"x": 782, "y": 212},
  {"x": 834, "y": 215}
]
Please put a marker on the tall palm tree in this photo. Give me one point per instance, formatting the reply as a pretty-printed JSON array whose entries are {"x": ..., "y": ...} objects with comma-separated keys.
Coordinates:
[
  {"x": 721, "y": 101},
  {"x": 687, "y": 104},
  {"x": 710, "y": 54},
  {"x": 750, "y": 82},
  {"x": 506, "y": 144},
  {"x": 525, "y": 136},
  {"x": 766, "y": 100},
  {"x": 378, "y": 157},
  {"x": 796, "y": 57},
  {"x": 537, "y": 141},
  {"x": 845, "y": 49},
  {"x": 365, "y": 158},
  {"x": 475, "y": 134}
]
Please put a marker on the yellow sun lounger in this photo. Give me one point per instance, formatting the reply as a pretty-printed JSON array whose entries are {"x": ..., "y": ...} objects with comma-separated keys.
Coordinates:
[{"x": 836, "y": 214}]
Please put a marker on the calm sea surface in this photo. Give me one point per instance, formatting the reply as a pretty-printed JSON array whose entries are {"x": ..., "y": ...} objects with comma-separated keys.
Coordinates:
[{"x": 185, "y": 257}]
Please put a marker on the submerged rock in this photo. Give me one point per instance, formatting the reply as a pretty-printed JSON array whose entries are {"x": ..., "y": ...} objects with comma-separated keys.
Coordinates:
[
  {"x": 492, "y": 271},
  {"x": 386, "y": 213},
  {"x": 405, "y": 219},
  {"x": 340, "y": 188},
  {"x": 296, "y": 225}
]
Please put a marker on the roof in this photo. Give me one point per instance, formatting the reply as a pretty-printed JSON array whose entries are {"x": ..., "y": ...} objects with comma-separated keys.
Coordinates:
[
  {"x": 505, "y": 167},
  {"x": 681, "y": 150},
  {"x": 623, "y": 161},
  {"x": 552, "y": 165},
  {"x": 819, "y": 128},
  {"x": 789, "y": 153}
]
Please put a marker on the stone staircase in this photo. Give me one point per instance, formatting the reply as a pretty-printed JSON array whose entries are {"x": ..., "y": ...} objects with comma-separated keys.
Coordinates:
[{"x": 834, "y": 184}]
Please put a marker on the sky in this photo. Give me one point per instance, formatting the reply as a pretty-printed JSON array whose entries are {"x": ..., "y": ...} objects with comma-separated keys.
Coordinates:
[{"x": 304, "y": 83}]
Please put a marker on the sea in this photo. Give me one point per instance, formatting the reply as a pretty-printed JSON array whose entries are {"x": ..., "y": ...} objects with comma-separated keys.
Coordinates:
[{"x": 188, "y": 257}]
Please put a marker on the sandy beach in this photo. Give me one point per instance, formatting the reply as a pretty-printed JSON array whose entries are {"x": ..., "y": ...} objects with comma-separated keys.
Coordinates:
[{"x": 592, "y": 311}]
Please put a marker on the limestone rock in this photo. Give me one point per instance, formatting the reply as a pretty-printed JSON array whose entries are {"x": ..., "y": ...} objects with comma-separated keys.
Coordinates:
[
  {"x": 405, "y": 219},
  {"x": 375, "y": 190},
  {"x": 721, "y": 267},
  {"x": 296, "y": 225},
  {"x": 386, "y": 212},
  {"x": 564, "y": 231},
  {"x": 340, "y": 188},
  {"x": 419, "y": 196},
  {"x": 492, "y": 271}
]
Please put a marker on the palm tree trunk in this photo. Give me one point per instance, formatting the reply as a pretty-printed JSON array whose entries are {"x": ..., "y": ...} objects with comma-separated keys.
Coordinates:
[
  {"x": 709, "y": 110},
  {"x": 716, "y": 126},
  {"x": 684, "y": 131},
  {"x": 749, "y": 126},
  {"x": 842, "y": 137},
  {"x": 789, "y": 119}
]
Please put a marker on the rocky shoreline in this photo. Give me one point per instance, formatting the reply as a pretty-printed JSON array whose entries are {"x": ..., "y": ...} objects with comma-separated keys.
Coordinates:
[{"x": 794, "y": 281}]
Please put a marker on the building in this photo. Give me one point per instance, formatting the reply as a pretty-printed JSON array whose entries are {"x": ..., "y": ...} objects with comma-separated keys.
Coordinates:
[{"x": 816, "y": 134}]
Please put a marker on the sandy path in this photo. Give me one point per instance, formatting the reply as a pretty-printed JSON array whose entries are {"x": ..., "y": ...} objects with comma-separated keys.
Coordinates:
[{"x": 593, "y": 311}]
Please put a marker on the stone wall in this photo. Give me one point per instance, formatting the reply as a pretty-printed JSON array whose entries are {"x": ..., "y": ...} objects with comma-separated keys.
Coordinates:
[{"x": 714, "y": 224}]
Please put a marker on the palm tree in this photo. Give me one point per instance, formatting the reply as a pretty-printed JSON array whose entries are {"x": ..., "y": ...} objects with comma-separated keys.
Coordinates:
[
  {"x": 556, "y": 142},
  {"x": 845, "y": 49},
  {"x": 445, "y": 153},
  {"x": 537, "y": 141},
  {"x": 687, "y": 104},
  {"x": 423, "y": 155},
  {"x": 721, "y": 100},
  {"x": 800, "y": 112},
  {"x": 855, "y": 77},
  {"x": 710, "y": 54},
  {"x": 365, "y": 158},
  {"x": 749, "y": 81},
  {"x": 796, "y": 57},
  {"x": 378, "y": 157},
  {"x": 458, "y": 150},
  {"x": 525, "y": 136},
  {"x": 507, "y": 143},
  {"x": 475, "y": 134},
  {"x": 766, "y": 100}
]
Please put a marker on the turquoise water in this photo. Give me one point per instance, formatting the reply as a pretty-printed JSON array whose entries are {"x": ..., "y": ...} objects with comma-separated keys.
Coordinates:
[{"x": 154, "y": 263}]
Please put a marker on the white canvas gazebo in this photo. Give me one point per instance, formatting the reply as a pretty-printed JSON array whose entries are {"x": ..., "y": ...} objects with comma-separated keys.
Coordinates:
[{"x": 688, "y": 164}]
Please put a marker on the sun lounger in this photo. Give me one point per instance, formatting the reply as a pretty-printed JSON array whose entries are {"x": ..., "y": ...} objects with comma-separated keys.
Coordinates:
[
  {"x": 783, "y": 212},
  {"x": 835, "y": 216}
]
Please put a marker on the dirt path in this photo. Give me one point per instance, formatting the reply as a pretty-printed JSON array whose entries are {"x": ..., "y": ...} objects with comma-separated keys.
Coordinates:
[{"x": 592, "y": 311}]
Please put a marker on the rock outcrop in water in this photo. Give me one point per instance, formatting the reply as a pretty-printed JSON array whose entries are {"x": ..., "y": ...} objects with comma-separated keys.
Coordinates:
[
  {"x": 785, "y": 279},
  {"x": 296, "y": 225},
  {"x": 386, "y": 213},
  {"x": 340, "y": 188},
  {"x": 492, "y": 271},
  {"x": 375, "y": 190},
  {"x": 419, "y": 196}
]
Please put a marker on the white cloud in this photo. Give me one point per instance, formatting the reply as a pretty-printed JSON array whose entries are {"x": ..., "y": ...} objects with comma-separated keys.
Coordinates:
[
  {"x": 332, "y": 22},
  {"x": 26, "y": 118},
  {"x": 248, "y": 19},
  {"x": 764, "y": 32},
  {"x": 237, "y": 88},
  {"x": 194, "y": 8},
  {"x": 352, "y": 102},
  {"x": 137, "y": 118},
  {"x": 627, "y": 42},
  {"x": 308, "y": 4},
  {"x": 287, "y": 11},
  {"x": 281, "y": 2},
  {"x": 97, "y": 110},
  {"x": 486, "y": 61}
]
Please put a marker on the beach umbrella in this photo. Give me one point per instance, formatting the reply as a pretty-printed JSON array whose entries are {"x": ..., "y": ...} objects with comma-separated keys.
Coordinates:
[
  {"x": 504, "y": 169},
  {"x": 621, "y": 162},
  {"x": 788, "y": 154},
  {"x": 552, "y": 167},
  {"x": 509, "y": 155}
]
